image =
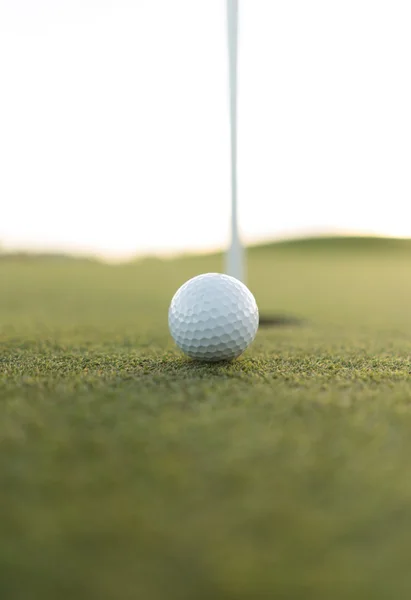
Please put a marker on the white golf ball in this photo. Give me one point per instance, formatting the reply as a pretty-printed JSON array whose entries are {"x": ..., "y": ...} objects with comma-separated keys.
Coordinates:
[{"x": 213, "y": 317}]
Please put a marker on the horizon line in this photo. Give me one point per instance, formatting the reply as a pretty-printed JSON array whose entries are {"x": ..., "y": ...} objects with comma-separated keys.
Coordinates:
[{"x": 127, "y": 257}]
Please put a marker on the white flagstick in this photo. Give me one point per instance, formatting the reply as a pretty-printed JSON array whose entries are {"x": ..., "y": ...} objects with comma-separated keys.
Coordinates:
[{"x": 235, "y": 254}]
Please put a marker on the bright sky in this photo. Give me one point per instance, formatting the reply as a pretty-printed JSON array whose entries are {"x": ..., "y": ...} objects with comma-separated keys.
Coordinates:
[{"x": 114, "y": 131}]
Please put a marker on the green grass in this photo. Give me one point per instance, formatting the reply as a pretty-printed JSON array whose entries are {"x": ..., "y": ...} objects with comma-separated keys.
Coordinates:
[{"x": 127, "y": 471}]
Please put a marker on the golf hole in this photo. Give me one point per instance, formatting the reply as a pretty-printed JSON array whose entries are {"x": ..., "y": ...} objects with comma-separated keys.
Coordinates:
[{"x": 280, "y": 320}]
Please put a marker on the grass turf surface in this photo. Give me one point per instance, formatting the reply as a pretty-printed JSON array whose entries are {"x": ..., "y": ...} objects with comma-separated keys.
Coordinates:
[{"x": 127, "y": 471}]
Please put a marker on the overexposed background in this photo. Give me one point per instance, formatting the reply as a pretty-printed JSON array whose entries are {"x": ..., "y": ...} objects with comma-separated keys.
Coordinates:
[{"x": 114, "y": 134}]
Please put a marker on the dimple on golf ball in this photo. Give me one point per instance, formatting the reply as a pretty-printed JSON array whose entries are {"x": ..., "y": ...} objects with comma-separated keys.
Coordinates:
[{"x": 213, "y": 317}]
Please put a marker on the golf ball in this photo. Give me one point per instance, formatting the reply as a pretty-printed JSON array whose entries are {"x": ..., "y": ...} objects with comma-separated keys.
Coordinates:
[{"x": 213, "y": 317}]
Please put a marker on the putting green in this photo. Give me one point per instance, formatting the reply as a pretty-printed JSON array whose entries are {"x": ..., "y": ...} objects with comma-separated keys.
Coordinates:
[{"x": 127, "y": 471}]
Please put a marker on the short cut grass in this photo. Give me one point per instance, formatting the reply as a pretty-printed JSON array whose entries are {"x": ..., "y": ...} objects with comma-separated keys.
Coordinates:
[{"x": 128, "y": 471}]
